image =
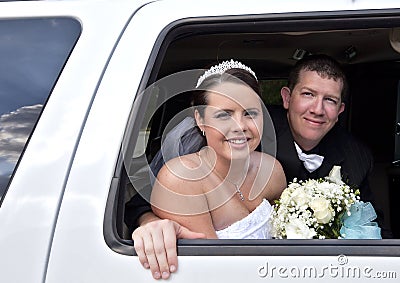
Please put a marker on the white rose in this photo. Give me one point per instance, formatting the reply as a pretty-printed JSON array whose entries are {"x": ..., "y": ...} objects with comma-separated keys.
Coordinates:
[
  {"x": 285, "y": 196},
  {"x": 322, "y": 210},
  {"x": 298, "y": 229},
  {"x": 335, "y": 175},
  {"x": 300, "y": 197}
]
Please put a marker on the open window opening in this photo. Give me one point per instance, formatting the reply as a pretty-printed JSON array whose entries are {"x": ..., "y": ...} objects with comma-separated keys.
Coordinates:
[{"x": 270, "y": 46}]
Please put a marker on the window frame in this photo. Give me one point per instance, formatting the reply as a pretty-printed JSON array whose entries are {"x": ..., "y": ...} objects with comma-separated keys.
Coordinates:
[{"x": 315, "y": 21}]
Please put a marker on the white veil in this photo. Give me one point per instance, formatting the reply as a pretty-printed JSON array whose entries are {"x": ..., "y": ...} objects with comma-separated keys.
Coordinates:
[{"x": 184, "y": 138}]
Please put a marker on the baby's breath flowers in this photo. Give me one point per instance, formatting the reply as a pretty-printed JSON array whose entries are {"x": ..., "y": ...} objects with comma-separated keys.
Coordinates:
[{"x": 313, "y": 208}]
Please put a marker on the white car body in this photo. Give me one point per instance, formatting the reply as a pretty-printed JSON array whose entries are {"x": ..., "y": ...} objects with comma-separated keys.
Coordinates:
[{"x": 52, "y": 216}]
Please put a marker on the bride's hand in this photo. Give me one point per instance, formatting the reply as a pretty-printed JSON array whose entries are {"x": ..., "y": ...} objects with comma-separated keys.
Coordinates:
[{"x": 155, "y": 245}]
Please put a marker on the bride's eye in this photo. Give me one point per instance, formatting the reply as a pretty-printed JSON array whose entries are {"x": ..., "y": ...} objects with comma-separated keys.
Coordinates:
[
  {"x": 251, "y": 113},
  {"x": 222, "y": 115}
]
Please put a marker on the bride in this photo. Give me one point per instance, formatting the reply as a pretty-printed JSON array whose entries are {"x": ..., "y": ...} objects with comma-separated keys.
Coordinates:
[{"x": 226, "y": 188}]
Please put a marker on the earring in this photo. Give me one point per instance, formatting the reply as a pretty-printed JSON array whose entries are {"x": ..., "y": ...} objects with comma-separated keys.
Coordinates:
[{"x": 203, "y": 133}]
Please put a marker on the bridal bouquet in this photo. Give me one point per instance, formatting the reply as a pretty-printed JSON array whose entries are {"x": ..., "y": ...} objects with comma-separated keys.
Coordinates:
[{"x": 325, "y": 208}]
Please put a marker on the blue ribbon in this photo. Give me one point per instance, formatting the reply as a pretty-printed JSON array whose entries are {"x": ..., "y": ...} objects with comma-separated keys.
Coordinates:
[{"x": 359, "y": 224}]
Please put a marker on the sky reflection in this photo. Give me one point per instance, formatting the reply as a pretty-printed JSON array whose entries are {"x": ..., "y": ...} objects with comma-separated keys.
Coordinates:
[{"x": 32, "y": 55}]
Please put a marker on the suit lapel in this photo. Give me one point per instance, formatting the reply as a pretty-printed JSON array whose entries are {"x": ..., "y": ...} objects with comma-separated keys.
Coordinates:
[{"x": 333, "y": 154}]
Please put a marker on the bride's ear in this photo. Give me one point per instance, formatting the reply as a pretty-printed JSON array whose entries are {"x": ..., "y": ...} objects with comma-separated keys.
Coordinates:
[{"x": 199, "y": 120}]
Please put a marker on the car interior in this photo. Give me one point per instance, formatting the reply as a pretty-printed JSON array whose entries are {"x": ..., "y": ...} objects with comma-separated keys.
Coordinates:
[{"x": 367, "y": 46}]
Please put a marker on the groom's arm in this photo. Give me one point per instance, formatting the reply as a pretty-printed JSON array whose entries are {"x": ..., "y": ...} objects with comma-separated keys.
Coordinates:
[{"x": 135, "y": 208}]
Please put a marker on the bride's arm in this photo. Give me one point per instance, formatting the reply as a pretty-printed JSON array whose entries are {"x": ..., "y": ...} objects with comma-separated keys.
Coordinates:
[{"x": 180, "y": 199}]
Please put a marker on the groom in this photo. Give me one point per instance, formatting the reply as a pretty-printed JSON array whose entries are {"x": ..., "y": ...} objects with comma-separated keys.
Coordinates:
[
  {"x": 308, "y": 145},
  {"x": 313, "y": 100}
]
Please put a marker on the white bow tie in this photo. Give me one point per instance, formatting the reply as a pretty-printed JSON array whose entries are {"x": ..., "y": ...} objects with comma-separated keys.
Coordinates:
[{"x": 311, "y": 161}]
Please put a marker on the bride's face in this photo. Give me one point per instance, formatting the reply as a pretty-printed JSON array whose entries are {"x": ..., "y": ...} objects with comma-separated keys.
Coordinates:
[{"x": 232, "y": 121}]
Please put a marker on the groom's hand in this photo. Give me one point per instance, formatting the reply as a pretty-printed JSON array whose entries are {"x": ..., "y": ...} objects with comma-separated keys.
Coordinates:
[{"x": 155, "y": 244}]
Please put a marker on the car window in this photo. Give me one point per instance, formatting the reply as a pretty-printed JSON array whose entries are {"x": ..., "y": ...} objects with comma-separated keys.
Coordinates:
[
  {"x": 270, "y": 48},
  {"x": 32, "y": 55}
]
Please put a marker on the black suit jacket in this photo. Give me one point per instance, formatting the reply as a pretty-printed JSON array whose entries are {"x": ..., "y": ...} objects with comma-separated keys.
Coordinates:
[{"x": 338, "y": 148}]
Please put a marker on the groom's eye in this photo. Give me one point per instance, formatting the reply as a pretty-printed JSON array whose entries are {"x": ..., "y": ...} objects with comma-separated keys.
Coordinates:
[
  {"x": 307, "y": 93},
  {"x": 331, "y": 100}
]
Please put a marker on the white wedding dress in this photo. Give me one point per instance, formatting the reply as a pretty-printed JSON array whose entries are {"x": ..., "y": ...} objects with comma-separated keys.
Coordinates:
[{"x": 253, "y": 226}]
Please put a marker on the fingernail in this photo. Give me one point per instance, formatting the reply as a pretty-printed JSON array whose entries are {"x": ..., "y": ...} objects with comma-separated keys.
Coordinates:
[
  {"x": 165, "y": 275},
  {"x": 172, "y": 268},
  {"x": 157, "y": 275},
  {"x": 146, "y": 265}
]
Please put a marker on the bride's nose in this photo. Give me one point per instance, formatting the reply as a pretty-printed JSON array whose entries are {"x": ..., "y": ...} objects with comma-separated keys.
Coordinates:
[{"x": 239, "y": 123}]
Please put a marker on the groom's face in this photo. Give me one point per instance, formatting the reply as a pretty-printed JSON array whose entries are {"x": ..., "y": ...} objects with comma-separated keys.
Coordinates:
[{"x": 313, "y": 105}]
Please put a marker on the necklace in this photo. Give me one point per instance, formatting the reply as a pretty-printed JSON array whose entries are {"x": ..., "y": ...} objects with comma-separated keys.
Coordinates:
[{"x": 237, "y": 187}]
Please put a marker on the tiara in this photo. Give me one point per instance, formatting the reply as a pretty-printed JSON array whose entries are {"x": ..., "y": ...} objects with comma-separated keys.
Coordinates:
[{"x": 222, "y": 68}]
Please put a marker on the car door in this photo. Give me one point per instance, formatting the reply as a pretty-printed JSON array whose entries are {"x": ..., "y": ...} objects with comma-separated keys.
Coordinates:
[{"x": 50, "y": 67}]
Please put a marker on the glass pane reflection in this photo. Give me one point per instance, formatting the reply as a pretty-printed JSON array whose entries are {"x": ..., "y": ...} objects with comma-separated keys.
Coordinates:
[{"x": 32, "y": 55}]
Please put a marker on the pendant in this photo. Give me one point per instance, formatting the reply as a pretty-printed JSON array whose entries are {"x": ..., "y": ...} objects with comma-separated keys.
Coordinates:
[{"x": 239, "y": 192}]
